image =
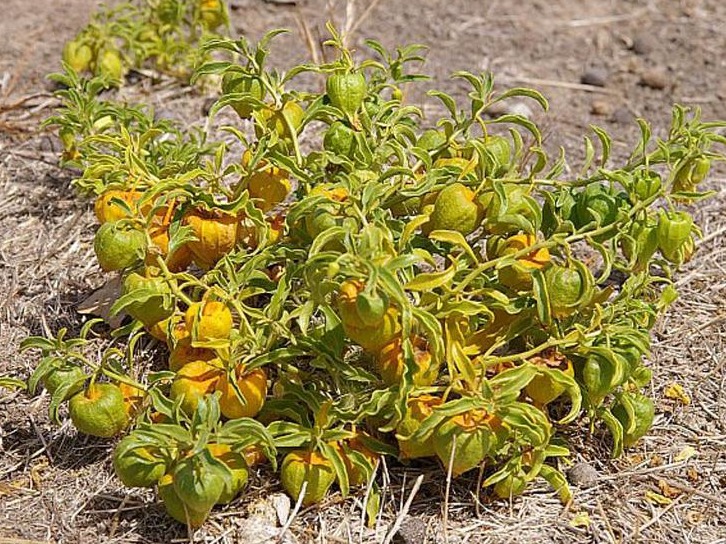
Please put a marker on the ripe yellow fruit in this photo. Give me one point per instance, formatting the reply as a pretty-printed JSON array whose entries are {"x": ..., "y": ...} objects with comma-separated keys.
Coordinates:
[
  {"x": 372, "y": 339},
  {"x": 474, "y": 433},
  {"x": 237, "y": 465},
  {"x": 133, "y": 399},
  {"x": 160, "y": 329},
  {"x": 194, "y": 381},
  {"x": 290, "y": 115},
  {"x": 216, "y": 232},
  {"x": 519, "y": 275},
  {"x": 391, "y": 365},
  {"x": 252, "y": 385},
  {"x": 543, "y": 389},
  {"x": 184, "y": 353},
  {"x": 269, "y": 185},
  {"x": 212, "y": 319},
  {"x": 108, "y": 209},
  {"x": 182, "y": 257},
  {"x": 418, "y": 409}
]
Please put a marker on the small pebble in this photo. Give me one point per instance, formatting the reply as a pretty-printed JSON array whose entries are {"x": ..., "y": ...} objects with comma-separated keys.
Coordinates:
[
  {"x": 595, "y": 76},
  {"x": 655, "y": 78},
  {"x": 634, "y": 65},
  {"x": 412, "y": 531},
  {"x": 601, "y": 107},
  {"x": 583, "y": 475},
  {"x": 281, "y": 503},
  {"x": 642, "y": 45},
  {"x": 622, "y": 116}
]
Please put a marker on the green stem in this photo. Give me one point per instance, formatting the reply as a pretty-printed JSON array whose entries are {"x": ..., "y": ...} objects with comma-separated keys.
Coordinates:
[
  {"x": 123, "y": 379},
  {"x": 293, "y": 137},
  {"x": 169, "y": 277},
  {"x": 242, "y": 317},
  {"x": 533, "y": 351},
  {"x": 102, "y": 369},
  {"x": 544, "y": 244}
]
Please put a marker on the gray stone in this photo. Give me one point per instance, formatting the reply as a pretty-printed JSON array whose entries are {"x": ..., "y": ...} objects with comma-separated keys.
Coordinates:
[
  {"x": 642, "y": 45},
  {"x": 622, "y": 116},
  {"x": 412, "y": 531},
  {"x": 583, "y": 475},
  {"x": 596, "y": 77}
]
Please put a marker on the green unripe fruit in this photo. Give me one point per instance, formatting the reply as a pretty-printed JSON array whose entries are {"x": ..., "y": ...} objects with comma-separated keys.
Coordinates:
[
  {"x": 339, "y": 139},
  {"x": 674, "y": 230},
  {"x": 511, "y": 486},
  {"x": 99, "y": 411},
  {"x": 569, "y": 288},
  {"x": 138, "y": 464},
  {"x": 77, "y": 55},
  {"x": 111, "y": 65},
  {"x": 643, "y": 416},
  {"x": 198, "y": 484},
  {"x": 176, "y": 508},
  {"x": 455, "y": 209},
  {"x": 691, "y": 173},
  {"x": 56, "y": 377},
  {"x": 300, "y": 467},
  {"x": 156, "y": 300},
  {"x": 237, "y": 83},
  {"x": 346, "y": 91},
  {"x": 118, "y": 246}
]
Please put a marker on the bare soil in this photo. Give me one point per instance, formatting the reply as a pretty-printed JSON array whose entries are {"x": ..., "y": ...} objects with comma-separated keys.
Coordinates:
[{"x": 601, "y": 62}]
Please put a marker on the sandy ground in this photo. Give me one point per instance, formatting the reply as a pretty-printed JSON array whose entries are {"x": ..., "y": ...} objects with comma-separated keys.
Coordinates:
[{"x": 599, "y": 62}]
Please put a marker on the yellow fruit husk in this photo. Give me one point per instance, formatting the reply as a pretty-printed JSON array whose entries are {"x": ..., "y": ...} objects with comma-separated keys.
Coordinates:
[
  {"x": 252, "y": 385},
  {"x": 216, "y": 233}
]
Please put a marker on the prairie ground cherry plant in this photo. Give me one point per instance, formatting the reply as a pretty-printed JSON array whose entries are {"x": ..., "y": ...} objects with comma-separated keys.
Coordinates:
[{"x": 360, "y": 281}]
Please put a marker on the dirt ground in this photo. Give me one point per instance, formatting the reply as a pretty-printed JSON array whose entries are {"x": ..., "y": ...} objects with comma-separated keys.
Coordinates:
[{"x": 601, "y": 62}]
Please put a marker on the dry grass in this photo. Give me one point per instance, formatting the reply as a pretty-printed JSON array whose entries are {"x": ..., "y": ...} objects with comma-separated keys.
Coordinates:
[{"x": 58, "y": 486}]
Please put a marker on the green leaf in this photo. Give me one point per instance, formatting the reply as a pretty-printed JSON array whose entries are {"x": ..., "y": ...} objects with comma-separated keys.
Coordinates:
[
  {"x": 525, "y": 92},
  {"x": 529, "y": 422},
  {"x": 510, "y": 382},
  {"x": 60, "y": 394},
  {"x": 12, "y": 383},
  {"x": 571, "y": 388},
  {"x": 456, "y": 239},
  {"x": 541, "y": 296},
  {"x": 373, "y": 505},
  {"x": 37, "y": 342},
  {"x": 442, "y": 413},
  {"x": 558, "y": 481},
  {"x": 333, "y": 455},
  {"x": 446, "y": 100},
  {"x": 432, "y": 280},
  {"x": 605, "y": 143},
  {"x": 289, "y": 435},
  {"x": 523, "y": 122},
  {"x": 616, "y": 430}
]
